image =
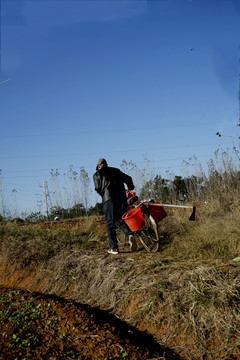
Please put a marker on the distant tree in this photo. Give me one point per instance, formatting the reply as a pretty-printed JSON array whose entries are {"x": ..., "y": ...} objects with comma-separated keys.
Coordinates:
[
  {"x": 96, "y": 210},
  {"x": 59, "y": 211},
  {"x": 18, "y": 220},
  {"x": 35, "y": 216},
  {"x": 195, "y": 186},
  {"x": 85, "y": 185},
  {"x": 73, "y": 177},
  {"x": 76, "y": 211},
  {"x": 156, "y": 189},
  {"x": 169, "y": 191},
  {"x": 180, "y": 188}
]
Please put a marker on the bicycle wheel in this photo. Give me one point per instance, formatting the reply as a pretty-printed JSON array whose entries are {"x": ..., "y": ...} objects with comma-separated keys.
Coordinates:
[{"x": 149, "y": 234}]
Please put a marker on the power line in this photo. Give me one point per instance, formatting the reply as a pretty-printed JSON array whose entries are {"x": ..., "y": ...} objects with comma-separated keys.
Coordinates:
[
  {"x": 26, "y": 189},
  {"x": 192, "y": 124},
  {"x": 87, "y": 167},
  {"x": 7, "y": 79},
  {"x": 106, "y": 152}
]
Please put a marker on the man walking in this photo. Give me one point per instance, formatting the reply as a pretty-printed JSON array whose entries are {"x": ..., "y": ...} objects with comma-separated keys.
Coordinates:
[{"x": 109, "y": 183}]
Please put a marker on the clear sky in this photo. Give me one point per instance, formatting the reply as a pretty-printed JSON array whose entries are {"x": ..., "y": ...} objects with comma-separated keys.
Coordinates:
[{"x": 119, "y": 79}]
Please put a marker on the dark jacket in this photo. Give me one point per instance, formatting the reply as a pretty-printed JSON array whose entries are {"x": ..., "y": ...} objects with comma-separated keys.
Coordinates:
[{"x": 109, "y": 183}]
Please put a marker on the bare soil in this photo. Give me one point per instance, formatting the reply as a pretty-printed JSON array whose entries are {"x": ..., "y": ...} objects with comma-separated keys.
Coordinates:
[{"x": 37, "y": 326}]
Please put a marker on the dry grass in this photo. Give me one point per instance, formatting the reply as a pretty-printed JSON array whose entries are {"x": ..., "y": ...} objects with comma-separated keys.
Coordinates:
[{"x": 37, "y": 243}]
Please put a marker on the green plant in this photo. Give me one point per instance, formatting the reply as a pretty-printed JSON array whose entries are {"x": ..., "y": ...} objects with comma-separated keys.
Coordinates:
[{"x": 21, "y": 319}]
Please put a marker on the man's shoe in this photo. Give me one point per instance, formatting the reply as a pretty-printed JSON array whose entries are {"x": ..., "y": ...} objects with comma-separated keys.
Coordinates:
[
  {"x": 132, "y": 243},
  {"x": 113, "y": 251}
]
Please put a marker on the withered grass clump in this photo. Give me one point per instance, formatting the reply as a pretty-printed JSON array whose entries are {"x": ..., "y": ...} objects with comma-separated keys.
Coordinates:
[
  {"x": 206, "y": 239},
  {"x": 198, "y": 305}
]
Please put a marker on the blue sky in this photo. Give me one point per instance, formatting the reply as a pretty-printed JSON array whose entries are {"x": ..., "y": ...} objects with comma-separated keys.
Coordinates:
[{"x": 127, "y": 79}]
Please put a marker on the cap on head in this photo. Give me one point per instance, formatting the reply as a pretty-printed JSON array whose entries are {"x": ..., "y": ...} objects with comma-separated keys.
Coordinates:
[{"x": 101, "y": 161}]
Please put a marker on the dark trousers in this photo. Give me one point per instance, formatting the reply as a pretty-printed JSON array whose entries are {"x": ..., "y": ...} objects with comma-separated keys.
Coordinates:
[{"x": 113, "y": 214}]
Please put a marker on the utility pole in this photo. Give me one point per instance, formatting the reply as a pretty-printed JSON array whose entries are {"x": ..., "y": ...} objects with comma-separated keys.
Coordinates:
[{"x": 46, "y": 197}]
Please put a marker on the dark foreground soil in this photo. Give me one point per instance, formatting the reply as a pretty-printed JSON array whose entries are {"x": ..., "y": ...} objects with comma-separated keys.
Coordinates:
[{"x": 37, "y": 326}]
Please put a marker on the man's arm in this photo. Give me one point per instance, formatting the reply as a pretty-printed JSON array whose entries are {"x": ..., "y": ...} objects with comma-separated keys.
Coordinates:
[
  {"x": 97, "y": 183},
  {"x": 128, "y": 181}
]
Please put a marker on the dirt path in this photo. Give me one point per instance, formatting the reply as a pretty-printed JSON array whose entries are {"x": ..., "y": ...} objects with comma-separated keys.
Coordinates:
[{"x": 37, "y": 326}]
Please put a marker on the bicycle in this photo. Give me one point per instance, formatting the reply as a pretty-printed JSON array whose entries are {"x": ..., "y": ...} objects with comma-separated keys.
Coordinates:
[
  {"x": 143, "y": 216},
  {"x": 142, "y": 219}
]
